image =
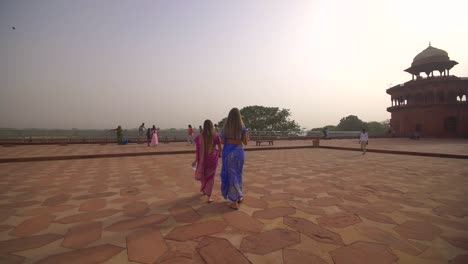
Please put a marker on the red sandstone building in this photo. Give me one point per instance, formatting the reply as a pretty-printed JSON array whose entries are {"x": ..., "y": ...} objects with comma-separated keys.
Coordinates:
[{"x": 431, "y": 106}]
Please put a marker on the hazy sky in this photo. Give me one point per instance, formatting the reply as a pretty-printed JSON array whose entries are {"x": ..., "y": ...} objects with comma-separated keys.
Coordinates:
[{"x": 97, "y": 64}]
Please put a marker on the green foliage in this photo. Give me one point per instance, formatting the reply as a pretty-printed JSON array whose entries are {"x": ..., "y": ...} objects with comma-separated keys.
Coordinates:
[
  {"x": 377, "y": 127},
  {"x": 263, "y": 118},
  {"x": 350, "y": 123}
]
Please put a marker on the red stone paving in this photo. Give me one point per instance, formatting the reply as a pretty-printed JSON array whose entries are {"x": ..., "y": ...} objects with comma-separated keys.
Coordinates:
[
  {"x": 11, "y": 259},
  {"x": 56, "y": 200},
  {"x": 339, "y": 220},
  {"x": 81, "y": 235},
  {"x": 33, "y": 225},
  {"x": 393, "y": 241},
  {"x": 274, "y": 212},
  {"x": 135, "y": 209},
  {"x": 93, "y": 205},
  {"x": 243, "y": 221},
  {"x": 45, "y": 210},
  {"x": 299, "y": 205},
  {"x": 86, "y": 216},
  {"x": 313, "y": 231},
  {"x": 145, "y": 246},
  {"x": 269, "y": 241},
  {"x": 217, "y": 250},
  {"x": 460, "y": 242},
  {"x": 418, "y": 230},
  {"x": 369, "y": 214},
  {"x": 191, "y": 231},
  {"x": 97, "y": 254},
  {"x": 460, "y": 259},
  {"x": 254, "y": 202},
  {"x": 20, "y": 244},
  {"x": 291, "y": 256},
  {"x": 363, "y": 253},
  {"x": 184, "y": 214},
  {"x": 307, "y": 208},
  {"x": 137, "y": 222},
  {"x": 325, "y": 201}
]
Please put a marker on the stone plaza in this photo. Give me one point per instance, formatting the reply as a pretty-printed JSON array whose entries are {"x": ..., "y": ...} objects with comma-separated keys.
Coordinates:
[{"x": 308, "y": 205}]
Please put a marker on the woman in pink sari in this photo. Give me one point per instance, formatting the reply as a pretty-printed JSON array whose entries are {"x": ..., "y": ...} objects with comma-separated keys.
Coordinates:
[
  {"x": 208, "y": 151},
  {"x": 154, "y": 136}
]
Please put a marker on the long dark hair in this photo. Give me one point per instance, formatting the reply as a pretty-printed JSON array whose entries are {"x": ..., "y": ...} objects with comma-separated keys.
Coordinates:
[
  {"x": 208, "y": 135},
  {"x": 234, "y": 125}
]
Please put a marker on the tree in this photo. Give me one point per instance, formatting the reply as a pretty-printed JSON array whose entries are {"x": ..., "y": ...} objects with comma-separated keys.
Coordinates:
[
  {"x": 350, "y": 123},
  {"x": 263, "y": 118},
  {"x": 377, "y": 128}
]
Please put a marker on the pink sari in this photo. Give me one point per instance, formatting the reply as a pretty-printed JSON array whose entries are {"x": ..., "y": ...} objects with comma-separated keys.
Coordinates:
[
  {"x": 206, "y": 164},
  {"x": 154, "y": 138}
]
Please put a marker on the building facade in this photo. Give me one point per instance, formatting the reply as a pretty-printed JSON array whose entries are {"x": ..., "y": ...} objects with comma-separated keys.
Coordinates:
[{"x": 434, "y": 105}]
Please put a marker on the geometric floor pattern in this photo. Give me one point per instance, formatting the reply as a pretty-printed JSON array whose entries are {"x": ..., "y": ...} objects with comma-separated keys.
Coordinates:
[{"x": 301, "y": 206}]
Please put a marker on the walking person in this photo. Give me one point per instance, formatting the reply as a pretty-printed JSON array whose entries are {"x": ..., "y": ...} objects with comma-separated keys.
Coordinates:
[
  {"x": 148, "y": 136},
  {"x": 200, "y": 130},
  {"x": 208, "y": 145},
  {"x": 234, "y": 136},
  {"x": 190, "y": 135},
  {"x": 154, "y": 136},
  {"x": 363, "y": 140}
]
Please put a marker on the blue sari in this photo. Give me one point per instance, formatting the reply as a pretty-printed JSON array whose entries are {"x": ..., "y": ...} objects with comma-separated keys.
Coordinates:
[{"x": 231, "y": 172}]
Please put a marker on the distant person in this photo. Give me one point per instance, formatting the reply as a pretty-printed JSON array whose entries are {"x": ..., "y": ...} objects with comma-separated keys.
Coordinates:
[
  {"x": 216, "y": 128},
  {"x": 119, "y": 134},
  {"x": 148, "y": 136},
  {"x": 154, "y": 136},
  {"x": 363, "y": 140},
  {"x": 325, "y": 132},
  {"x": 190, "y": 135},
  {"x": 200, "y": 129},
  {"x": 234, "y": 136},
  {"x": 209, "y": 148},
  {"x": 141, "y": 130}
]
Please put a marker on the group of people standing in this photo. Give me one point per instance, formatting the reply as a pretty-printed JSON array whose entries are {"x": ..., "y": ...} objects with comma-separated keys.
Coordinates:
[
  {"x": 151, "y": 134},
  {"x": 229, "y": 145}
]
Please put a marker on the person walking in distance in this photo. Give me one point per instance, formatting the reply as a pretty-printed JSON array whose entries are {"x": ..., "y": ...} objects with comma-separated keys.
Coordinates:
[
  {"x": 234, "y": 136},
  {"x": 190, "y": 135},
  {"x": 363, "y": 140}
]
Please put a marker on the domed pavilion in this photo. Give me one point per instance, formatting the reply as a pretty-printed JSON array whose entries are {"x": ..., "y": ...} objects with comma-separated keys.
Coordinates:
[{"x": 433, "y": 103}]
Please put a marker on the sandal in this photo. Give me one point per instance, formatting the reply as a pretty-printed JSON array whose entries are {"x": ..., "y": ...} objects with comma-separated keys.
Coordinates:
[{"x": 240, "y": 200}]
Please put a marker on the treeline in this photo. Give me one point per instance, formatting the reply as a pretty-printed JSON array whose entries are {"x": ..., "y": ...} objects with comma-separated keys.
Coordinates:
[{"x": 353, "y": 123}]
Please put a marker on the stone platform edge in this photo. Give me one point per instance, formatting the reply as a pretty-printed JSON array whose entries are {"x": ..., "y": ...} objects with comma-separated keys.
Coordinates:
[{"x": 178, "y": 152}]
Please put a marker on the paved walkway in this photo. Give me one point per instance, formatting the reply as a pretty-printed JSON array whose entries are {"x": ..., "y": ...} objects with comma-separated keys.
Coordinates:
[
  {"x": 444, "y": 146},
  {"x": 429, "y": 145},
  {"x": 301, "y": 206}
]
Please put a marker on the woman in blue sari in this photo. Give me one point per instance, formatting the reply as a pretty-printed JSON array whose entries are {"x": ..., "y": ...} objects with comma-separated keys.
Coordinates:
[{"x": 234, "y": 136}]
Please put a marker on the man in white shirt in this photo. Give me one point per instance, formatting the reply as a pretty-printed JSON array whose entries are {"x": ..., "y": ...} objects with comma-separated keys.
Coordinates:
[
  {"x": 363, "y": 140},
  {"x": 141, "y": 130}
]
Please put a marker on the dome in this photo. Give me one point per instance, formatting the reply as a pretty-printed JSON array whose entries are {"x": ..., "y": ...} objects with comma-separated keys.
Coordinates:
[
  {"x": 430, "y": 54},
  {"x": 429, "y": 60}
]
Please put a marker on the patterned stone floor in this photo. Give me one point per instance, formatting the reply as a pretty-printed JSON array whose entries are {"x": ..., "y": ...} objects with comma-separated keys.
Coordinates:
[
  {"x": 301, "y": 206},
  {"x": 446, "y": 146}
]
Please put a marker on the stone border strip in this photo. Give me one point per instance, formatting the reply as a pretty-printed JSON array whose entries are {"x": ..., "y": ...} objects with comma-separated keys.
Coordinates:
[
  {"x": 400, "y": 152},
  {"x": 178, "y": 152}
]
